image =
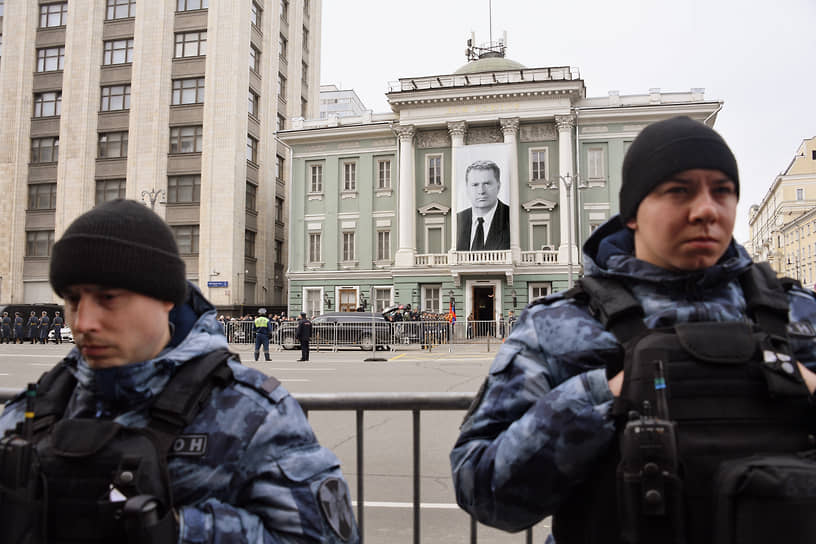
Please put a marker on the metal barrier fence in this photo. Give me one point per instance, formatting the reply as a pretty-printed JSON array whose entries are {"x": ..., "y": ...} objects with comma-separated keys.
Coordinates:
[
  {"x": 359, "y": 403},
  {"x": 393, "y": 335}
]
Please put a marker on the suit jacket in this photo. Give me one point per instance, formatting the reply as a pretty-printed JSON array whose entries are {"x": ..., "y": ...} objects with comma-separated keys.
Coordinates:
[{"x": 497, "y": 238}]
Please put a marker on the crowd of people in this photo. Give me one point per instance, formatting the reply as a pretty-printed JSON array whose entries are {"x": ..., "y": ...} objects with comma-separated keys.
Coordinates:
[{"x": 35, "y": 330}]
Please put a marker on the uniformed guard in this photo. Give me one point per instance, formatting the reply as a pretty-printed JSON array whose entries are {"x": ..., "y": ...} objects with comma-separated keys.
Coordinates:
[
  {"x": 303, "y": 333},
  {"x": 57, "y": 324},
  {"x": 43, "y": 326},
  {"x": 262, "y": 334},
  {"x": 150, "y": 430},
  {"x": 19, "y": 335},
  {"x": 32, "y": 327},
  {"x": 5, "y": 328}
]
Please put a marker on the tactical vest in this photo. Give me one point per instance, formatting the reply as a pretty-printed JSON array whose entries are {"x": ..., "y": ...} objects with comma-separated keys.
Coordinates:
[
  {"x": 65, "y": 480},
  {"x": 696, "y": 397}
]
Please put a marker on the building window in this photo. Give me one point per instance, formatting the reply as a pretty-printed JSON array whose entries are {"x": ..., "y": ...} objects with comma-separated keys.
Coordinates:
[
  {"x": 115, "y": 98},
  {"x": 382, "y": 298},
  {"x": 281, "y": 122},
  {"x": 314, "y": 247},
  {"x": 431, "y": 299},
  {"x": 191, "y": 44},
  {"x": 306, "y": 8},
  {"x": 39, "y": 243},
  {"x": 50, "y": 59},
  {"x": 316, "y": 176},
  {"x": 283, "y": 47},
  {"x": 305, "y": 41},
  {"x": 538, "y": 290},
  {"x": 800, "y": 193},
  {"x": 596, "y": 168},
  {"x": 186, "y": 238},
  {"x": 281, "y": 86},
  {"x": 52, "y": 15},
  {"x": 252, "y": 149},
  {"x": 184, "y": 189},
  {"x": 117, "y": 52},
  {"x": 279, "y": 164},
  {"x": 304, "y": 105},
  {"x": 191, "y": 5},
  {"x": 188, "y": 91},
  {"x": 48, "y": 104},
  {"x": 433, "y": 170},
  {"x": 253, "y": 103},
  {"x": 383, "y": 174},
  {"x": 44, "y": 150},
  {"x": 254, "y": 59},
  {"x": 120, "y": 9},
  {"x": 251, "y": 196},
  {"x": 539, "y": 164},
  {"x": 278, "y": 252},
  {"x": 186, "y": 139},
  {"x": 348, "y": 246},
  {"x": 255, "y": 15},
  {"x": 249, "y": 244},
  {"x": 42, "y": 196},
  {"x": 304, "y": 74},
  {"x": 278, "y": 209},
  {"x": 109, "y": 189},
  {"x": 113, "y": 145},
  {"x": 383, "y": 245},
  {"x": 349, "y": 176},
  {"x": 284, "y": 10}
]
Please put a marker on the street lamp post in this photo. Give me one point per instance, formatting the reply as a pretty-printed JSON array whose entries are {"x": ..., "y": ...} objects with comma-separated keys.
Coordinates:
[{"x": 153, "y": 196}]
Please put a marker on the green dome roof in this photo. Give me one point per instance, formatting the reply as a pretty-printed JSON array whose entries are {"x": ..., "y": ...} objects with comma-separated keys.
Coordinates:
[{"x": 490, "y": 64}]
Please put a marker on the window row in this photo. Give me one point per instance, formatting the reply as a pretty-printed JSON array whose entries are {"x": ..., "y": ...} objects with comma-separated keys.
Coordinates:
[
  {"x": 124, "y": 9},
  {"x": 113, "y": 98},
  {"x": 348, "y": 249},
  {"x": 349, "y": 175}
]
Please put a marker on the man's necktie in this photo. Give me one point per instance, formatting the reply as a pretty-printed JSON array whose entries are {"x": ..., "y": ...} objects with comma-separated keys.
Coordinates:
[{"x": 478, "y": 240}]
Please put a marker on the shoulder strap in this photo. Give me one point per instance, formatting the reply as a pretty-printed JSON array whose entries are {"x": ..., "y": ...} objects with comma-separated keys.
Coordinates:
[
  {"x": 54, "y": 390},
  {"x": 186, "y": 393},
  {"x": 765, "y": 298},
  {"x": 614, "y": 306}
]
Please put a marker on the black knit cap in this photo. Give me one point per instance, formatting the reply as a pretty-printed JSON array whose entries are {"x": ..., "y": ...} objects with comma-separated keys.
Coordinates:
[
  {"x": 666, "y": 148},
  {"x": 120, "y": 244}
]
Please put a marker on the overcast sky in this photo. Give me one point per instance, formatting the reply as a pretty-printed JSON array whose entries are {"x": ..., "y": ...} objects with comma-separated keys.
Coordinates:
[{"x": 758, "y": 58}]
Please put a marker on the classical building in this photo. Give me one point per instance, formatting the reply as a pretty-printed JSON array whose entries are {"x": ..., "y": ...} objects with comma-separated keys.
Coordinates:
[
  {"x": 377, "y": 201},
  {"x": 173, "y": 102},
  {"x": 783, "y": 225}
]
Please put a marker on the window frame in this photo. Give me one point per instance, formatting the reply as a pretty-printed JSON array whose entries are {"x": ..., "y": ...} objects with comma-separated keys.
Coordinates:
[
  {"x": 383, "y": 245},
  {"x": 250, "y": 238},
  {"x": 179, "y": 90},
  {"x": 46, "y": 13},
  {"x": 112, "y": 7},
  {"x": 251, "y": 202},
  {"x": 256, "y": 15},
  {"x": 596, "y": 163},
  {"x": 534, "y": 171},
  {"x": 380, "y": 178},
  {"x": 254, "y": 59},
  {"x": 349, "y": 246},
  {"x": 428, "y": 298},
  {"x": 315, "y": 248},
  {"x": 178, "y": 186},
  {"x": 316, "y": 182},
  {"x": 430, "y": 171},
  {"x": 39, "y": 191},
  {"x": 182, "y": 5},
  {"x": 33, "y": 243},
  {"x": 349, "y": 173},
  {"x": 109, "y": 49},
  {"x": 184, "y": 41},
  {"x": 53, "y": 153},
  {"x": 253, "y": 103},
  {"x": 106, "y": 189},
  {"x": 252, "y": 149},
  {"x": 189, "y": 240},
  {"x": 43, "y": 59},
  {"x": 111, "y": 141},
  {"x": 107, "y": 97},
  {"x": 177, "y": 134},
  {"x": 40, "y": 103}
]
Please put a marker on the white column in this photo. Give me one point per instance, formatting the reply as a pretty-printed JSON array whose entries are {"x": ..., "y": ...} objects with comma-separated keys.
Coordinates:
[
  {"x": 510, "y": 130},
  {"x": 567, "y": 252},
  {"x": 406, "y": 253},
  {"x": 457, "y": 130}
]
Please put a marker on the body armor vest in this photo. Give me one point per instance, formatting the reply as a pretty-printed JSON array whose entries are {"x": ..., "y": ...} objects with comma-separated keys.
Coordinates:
[{"x": 694, "y": 397}]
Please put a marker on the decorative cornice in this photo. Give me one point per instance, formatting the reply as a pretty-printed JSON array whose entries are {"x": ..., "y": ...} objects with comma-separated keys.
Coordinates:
[
  {"x": 405, "y": 132},
  {"x": 434, "y": 209},
  {"x": 565, "y": 122},
  {"x": 539, "y": 204}
]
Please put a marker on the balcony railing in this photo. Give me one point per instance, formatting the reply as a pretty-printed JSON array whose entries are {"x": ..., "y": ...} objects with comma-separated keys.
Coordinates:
[{"x": 547, "y": 256}]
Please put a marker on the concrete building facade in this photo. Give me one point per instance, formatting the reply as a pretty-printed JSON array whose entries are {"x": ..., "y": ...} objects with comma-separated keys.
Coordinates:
[
  {"x": 783, "y": 225},
  {"x": 375, "y": 199},
  {"x": 102, "y": 99}
]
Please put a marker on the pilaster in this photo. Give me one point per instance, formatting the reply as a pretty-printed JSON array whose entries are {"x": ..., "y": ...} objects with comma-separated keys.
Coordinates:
[
  {"x": 567, "y": 250},
  {"x": 405, "y": 256},
  {"x": 457, "y": 130},
  {"x": 510, "y": 129}
]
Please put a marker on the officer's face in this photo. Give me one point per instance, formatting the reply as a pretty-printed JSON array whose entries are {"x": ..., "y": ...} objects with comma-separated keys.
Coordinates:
[
  {"x": 686, "y": 222},
  {"x": 116, "y": 327},
  {"x": 483, "y": 190}
]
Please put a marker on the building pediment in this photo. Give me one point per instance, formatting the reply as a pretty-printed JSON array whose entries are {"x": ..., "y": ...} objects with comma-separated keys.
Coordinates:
[
  {"x": 434, "y": 209},
  {"x": 539, "y": 204}
]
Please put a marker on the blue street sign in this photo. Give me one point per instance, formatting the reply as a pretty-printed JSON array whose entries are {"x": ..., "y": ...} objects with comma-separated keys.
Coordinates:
[{"x": 217, "y": 284}]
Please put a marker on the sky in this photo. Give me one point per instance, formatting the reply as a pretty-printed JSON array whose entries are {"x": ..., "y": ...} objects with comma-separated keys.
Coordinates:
[{"x": 759, "y": 58}]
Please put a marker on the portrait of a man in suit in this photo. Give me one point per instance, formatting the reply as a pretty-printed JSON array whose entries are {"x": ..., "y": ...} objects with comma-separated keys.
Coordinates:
[{"x": 486, "y": 224}]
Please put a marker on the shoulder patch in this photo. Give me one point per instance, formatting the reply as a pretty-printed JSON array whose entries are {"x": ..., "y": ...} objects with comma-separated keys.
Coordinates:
[
  {"x": 801, "y": 328},
  {"x": 189, "y": 445},
  {"x": 335, "y": 505}
]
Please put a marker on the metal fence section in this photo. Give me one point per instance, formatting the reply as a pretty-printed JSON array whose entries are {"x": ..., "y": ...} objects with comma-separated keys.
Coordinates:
[
  {"x": 390, "y": 335},
  {"x": 360, "y": 403}
]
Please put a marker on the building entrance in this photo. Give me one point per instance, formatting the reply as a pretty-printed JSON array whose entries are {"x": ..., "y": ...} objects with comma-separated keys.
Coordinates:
[{"x": 483, "y": 310}]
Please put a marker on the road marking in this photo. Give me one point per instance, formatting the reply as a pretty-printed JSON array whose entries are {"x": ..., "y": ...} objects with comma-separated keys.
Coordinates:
[
  {"x": 298, "y": 368},
  {"x": 295, "y": 380},
  {"x": 397, "y": 357}
]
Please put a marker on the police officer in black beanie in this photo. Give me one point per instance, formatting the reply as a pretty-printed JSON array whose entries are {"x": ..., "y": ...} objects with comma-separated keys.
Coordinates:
[{"x": 151, "y": 430}]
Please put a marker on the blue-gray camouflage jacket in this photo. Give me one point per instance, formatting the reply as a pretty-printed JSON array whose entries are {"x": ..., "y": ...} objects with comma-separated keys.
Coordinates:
[
  {"x": 264, "y": 477},
  {"x": 544, "y": 415}
]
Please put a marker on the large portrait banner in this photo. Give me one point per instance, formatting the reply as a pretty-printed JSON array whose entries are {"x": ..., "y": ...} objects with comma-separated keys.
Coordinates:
[{"x": 482, "y": 196}]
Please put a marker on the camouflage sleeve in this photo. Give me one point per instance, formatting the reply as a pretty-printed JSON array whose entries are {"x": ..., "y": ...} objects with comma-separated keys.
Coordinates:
[
  {"x": 540, "y": 422},
  {"x": 284, "y": 488},
  {"x": 802, "y": 325}
]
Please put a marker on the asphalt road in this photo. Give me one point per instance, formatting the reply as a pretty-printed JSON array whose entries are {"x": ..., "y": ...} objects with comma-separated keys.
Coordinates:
[{"x": 388, "y": 460}]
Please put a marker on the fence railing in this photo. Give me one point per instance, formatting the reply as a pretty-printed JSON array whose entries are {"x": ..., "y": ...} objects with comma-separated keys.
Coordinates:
[
  {"x": 392, "y": 335},
  {"x": 359, "y": 403}
]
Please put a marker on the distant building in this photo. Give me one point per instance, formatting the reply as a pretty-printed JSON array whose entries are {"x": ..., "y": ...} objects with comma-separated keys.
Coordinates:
[
  {"x": 783, "y": 225},
  {"x": 377, "y": 200},
  {"x": 339, "y": 103},
  {"x": 170, "y": 102}
]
